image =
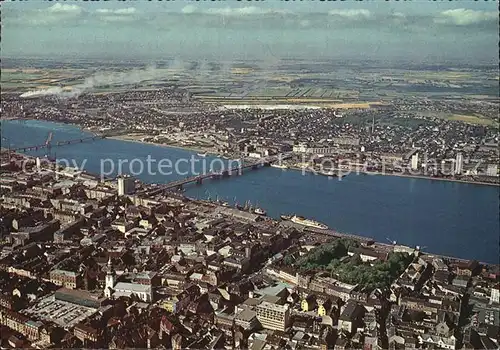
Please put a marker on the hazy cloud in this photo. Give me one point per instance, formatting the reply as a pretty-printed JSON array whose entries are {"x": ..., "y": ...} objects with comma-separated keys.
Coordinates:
[
  {"x": 125, "y": 11},
  {"x": 464, "y": 17},
  {"x": 57, "y": 13},
  {"x": 254, "y": 17},
  {"x": 232, "y": 11},
  {"x": 220, "y": 30},
  {"x": 115, "y": 18},
  {"x": 118, "y": 15},
  {"x": 189, "y": 9},
  {"x": 243, "y": 11},
  {"x": 354, "y": 14},
  {"x": 65, "y": 8}
]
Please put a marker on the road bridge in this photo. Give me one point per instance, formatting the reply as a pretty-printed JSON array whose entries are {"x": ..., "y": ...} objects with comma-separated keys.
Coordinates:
[
  {"x": 49, "y": 143},
  {"x": 237, "y": 170}
]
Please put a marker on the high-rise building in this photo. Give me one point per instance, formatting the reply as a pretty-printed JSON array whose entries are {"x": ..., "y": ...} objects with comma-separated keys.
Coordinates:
[
  {"x": 273, "y": 316},
  {"x": 459, "y": 163},
  {"x": 414, "y": 161},
  {"x": 126, "y": 185}
]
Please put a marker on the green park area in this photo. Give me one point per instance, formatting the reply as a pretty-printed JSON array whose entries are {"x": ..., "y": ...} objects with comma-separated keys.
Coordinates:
[{"x": 333, "y": 257}]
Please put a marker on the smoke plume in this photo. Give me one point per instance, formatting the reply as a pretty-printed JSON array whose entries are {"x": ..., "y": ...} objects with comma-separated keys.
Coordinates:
[{"x": 99, "y": 80}]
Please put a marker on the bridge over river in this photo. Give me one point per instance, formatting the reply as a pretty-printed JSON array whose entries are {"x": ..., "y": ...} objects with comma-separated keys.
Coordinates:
[
  {"x": 235, "y": 171},
  {"x": 49, "y": 143}
]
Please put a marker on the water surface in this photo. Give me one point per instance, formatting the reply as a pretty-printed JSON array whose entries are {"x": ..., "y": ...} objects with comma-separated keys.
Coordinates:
[{"x": 448, "y": 218}]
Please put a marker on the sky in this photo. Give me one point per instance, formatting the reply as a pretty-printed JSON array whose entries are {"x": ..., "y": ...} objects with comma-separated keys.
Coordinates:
[{"x": 418, "y": 31}]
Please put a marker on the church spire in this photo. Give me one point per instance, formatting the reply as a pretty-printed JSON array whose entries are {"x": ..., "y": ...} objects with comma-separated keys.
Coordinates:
[
  {"x": 110, "y": 280},
  {"x": 110, "y": 266}
]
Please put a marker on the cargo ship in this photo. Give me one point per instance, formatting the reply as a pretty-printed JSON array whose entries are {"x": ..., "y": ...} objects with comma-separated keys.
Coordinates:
[{"x": 308, "y": 222}]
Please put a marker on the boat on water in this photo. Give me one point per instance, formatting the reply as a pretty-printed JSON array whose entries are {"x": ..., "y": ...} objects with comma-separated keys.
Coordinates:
[
  {"x": 259, "y": 211},
  {"x": 329, "y": 173},
  {"x": 332, "y": 173},
  {"x": 285, "y": 217},
  {"x": 279, "y": 166},
  {"x": 202, "y": 154},
  {"x": 308, "y": 222}
]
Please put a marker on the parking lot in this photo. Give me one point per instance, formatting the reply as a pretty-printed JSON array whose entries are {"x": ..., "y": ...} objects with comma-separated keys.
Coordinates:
[{"x": 63, "y": 313}]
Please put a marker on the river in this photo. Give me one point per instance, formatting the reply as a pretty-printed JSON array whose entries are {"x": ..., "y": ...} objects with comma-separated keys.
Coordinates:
[{"x": 448, "y": 218}]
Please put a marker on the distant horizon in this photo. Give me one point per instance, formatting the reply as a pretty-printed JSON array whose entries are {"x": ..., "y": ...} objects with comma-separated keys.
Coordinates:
[
  {"x": 163, "y": 61},
  {"x": 431, "y": 32}
]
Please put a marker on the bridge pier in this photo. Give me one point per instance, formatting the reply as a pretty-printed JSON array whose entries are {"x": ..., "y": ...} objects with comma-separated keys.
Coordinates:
[
  {"x": 199, "y": 181},
  {"x": 225, "y": 173}
]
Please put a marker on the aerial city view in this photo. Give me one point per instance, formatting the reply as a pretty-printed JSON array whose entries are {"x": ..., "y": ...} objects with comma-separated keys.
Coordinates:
[{"x": 250, "y": 175}]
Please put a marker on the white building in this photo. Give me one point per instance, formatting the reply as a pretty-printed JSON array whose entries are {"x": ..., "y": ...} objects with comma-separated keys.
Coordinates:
[
  {"x": 142, "y": 291},
  {"x": 495, "y": 294},
  {"x": 110, "y": 280},
  {"x": 126, "y": 185},
  {"x": 414, "y": 161},
  {"x": 254, "y": 155},
  {"x": 300, "y": 148},
  {"x": 492, "y": 170},
  {"x": 459, "y": 163},
  {"x": 273, "y": 316}
]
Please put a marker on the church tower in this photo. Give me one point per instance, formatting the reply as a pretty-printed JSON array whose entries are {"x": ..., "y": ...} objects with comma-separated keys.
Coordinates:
[{"x": 110, "y": 280}]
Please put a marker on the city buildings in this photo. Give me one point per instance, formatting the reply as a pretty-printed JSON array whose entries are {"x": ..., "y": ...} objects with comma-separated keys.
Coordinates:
[
  {"x": 273, "y": 316},
  {"x": 155, "y": 268},
  {"x": 495, "y": 294},
  {"x": 459, "y": 163},
  {"x": 126, "y": 185},
  {"x": 67, "y": 279},
  {"x": 414, "y": 161}
]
